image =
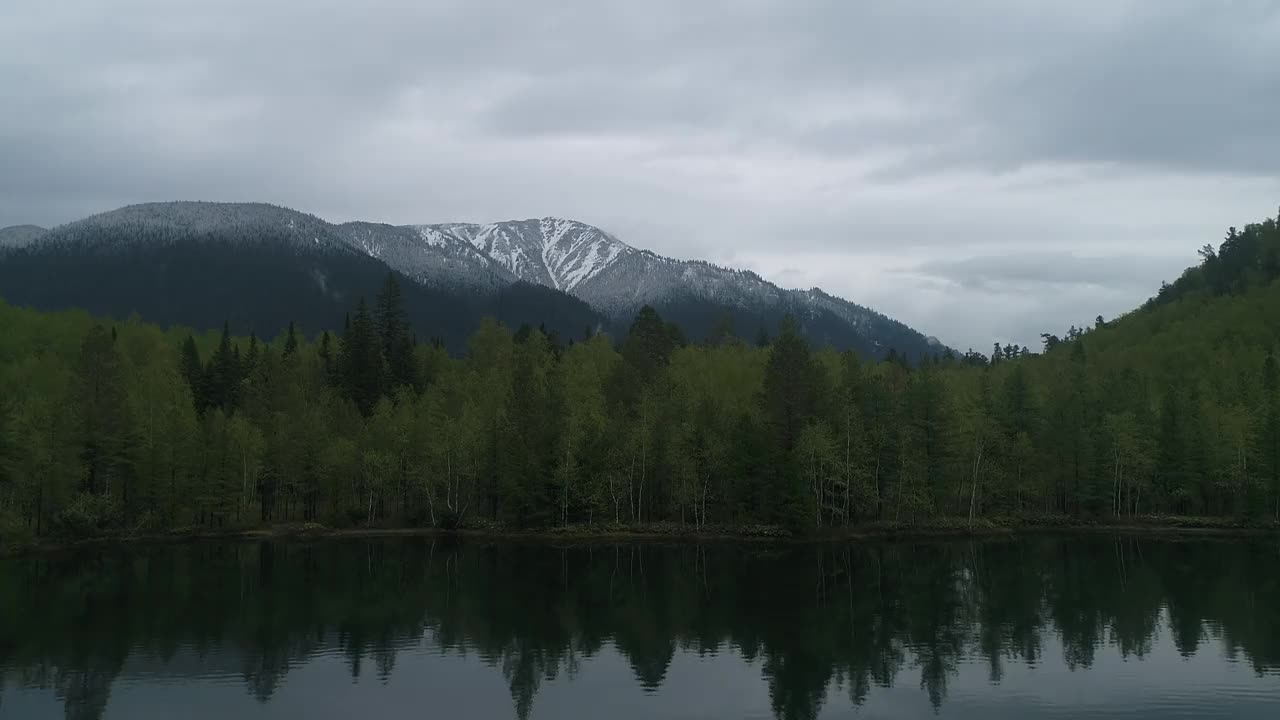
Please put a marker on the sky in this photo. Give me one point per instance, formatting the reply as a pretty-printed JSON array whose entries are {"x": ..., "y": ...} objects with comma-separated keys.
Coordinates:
[{"x": 983, "y": 171}]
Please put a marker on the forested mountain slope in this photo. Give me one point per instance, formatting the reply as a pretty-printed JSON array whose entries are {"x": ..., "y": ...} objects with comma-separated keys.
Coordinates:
[
  {"x": 427, "y": 256},
  {"x": 149, "y": 259},
  {"x": 20, "y": 235},
  {"x": 1175, "y": 404},
  {"x": 259, "y": 267}
]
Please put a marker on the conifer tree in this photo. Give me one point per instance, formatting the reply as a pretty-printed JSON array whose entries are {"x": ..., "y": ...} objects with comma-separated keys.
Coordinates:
[
  {"x": 360, "y": 362},
  {"x": 192, "y": 370},
  {"x": 291, "y": 341},
  {"x": 102, "y": 406},
  {"x": 223, "y": 373},
  {"x": 251, "y": 357},
  {"x": 395, "y": 336},
  {"x": 325, "y": 352},
  {"x": 789, "y": 400}
]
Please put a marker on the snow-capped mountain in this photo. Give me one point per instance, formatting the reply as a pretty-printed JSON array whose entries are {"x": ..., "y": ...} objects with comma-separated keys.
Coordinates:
[
  {"x": 561, "y": 254},
  {"x": 618, "y": 279},
  {"x": 262, "y": 268},
  {"x": 483, "y": 260},
  {"x": 426, "y": 254}
]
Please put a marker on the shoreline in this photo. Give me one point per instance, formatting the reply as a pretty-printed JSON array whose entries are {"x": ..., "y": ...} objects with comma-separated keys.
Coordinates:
[{"x": 667, "y": 533}]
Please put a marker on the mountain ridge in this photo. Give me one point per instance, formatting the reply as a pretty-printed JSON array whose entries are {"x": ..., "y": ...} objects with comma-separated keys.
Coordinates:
[
  {"x": 618, "y": 278},
  {"x": 564, "y": 255},
  {"x": 258, "y": 267},
  {"x": 20, "y": 235},
  {"x": 558, "y": 252}
]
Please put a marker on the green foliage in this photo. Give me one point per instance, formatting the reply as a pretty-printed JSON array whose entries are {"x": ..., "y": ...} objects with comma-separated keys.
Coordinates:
[
  {"x": 87, "y": 515},
  {"x": 14, "y": 531},
  {"x": 361, "y": 363},
  {"x": 1170, "y": 410}
]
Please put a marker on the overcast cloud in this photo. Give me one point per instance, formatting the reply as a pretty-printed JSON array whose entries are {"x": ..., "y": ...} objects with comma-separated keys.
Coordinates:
[{"x": 980, "y": 170}]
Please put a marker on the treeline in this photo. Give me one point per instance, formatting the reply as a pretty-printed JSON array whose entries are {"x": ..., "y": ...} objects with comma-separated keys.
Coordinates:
[{"x": 1173, "y": 409}]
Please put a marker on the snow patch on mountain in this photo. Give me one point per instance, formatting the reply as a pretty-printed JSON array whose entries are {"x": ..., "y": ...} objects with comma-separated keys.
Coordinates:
[
  {"x": 428, "y": 255},
  {"x": 575, "y": 252},
  {"x": 550, "y": 251},
  {"x": 435, "y": 238}
]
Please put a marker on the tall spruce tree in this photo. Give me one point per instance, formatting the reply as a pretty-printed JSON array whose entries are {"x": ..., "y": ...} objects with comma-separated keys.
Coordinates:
[
  {"x": 291, "y": 341},
  {"x": 789, "y": 401},
  {"x": 223, "y": 373},
  {"x": 360, "y": 362},
  {"x": 192, "y": 370},
  {"x": 103, "y": 410},
  {"x": 394, "y": 334},
  {"x": 325, "y": 352}
]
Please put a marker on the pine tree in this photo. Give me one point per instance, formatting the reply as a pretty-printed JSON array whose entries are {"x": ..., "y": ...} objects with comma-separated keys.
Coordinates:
[
  {"x": 326, "y": 354},
  {"x": 223, "y": 373},
  {"x": 790, "y": 400},
  {"x": 527, "y": 496},
  {"x": 724, "y": 331},
  {"x": 102, "y": 405},
  {"x": 291, "y": 341},
  {"x": 192, "y": 370},
  {"x": 251, "y": 357},
  {"x": 395, "y": 336},
  {"x": 360, "y": 363},
  {"x": 648, "y": 347}
]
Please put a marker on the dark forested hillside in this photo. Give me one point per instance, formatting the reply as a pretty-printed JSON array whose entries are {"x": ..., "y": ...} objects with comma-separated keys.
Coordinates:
[
  {"x": 1172, "y": 409},
  {"x": 707, "y": 321}
]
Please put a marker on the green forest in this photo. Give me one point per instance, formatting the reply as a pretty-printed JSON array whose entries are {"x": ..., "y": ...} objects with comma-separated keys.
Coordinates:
[{"x": 121, "y": 427}]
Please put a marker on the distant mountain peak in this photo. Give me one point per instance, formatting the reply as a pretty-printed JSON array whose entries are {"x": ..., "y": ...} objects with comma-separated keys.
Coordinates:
[
  {"x": 16, "y": 236},
  {"x": 557, "y": 252},
  {"x": 194, "y": 221}
]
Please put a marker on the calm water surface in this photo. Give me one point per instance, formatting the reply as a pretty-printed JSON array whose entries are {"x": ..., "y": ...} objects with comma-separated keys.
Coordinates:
[{"x": 1030, "y": 628}]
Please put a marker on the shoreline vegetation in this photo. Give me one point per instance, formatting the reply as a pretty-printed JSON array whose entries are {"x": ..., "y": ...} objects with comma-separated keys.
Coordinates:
[
  {"x": 126, "y": 429},
  {"x": 936, "y": 528}
]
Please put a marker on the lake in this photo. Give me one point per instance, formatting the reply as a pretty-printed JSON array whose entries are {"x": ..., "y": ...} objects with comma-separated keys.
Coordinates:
[{"x": 1034, "y": 627}]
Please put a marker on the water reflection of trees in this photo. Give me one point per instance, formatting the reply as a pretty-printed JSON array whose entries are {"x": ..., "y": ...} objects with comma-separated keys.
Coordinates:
[{"x": 815, "y": 618}]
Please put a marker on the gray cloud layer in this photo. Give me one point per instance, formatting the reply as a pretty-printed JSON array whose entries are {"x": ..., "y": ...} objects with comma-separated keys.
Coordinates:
[{"x": 982, "y": 170}]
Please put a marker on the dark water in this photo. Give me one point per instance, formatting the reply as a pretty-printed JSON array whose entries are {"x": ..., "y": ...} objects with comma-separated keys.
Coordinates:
[{"x": 1038, "y": 627}]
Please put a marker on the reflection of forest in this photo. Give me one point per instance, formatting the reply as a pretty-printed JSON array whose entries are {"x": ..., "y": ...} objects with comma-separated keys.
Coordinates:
[{"x": 816, "y": 617}]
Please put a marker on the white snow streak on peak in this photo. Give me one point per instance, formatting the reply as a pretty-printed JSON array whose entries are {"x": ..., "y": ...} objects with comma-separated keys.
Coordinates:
[
  {"x": 433, "y": 237},
  {"x": 552, "y": 251},
  {"x": 507, "y": 245},
  {"x": 574, "y": 252}
]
